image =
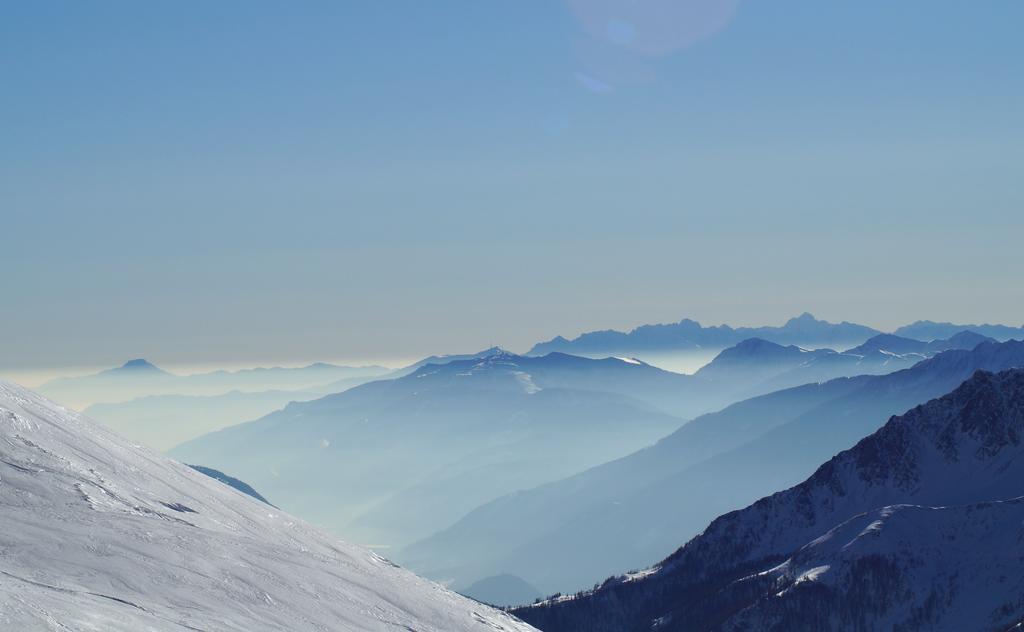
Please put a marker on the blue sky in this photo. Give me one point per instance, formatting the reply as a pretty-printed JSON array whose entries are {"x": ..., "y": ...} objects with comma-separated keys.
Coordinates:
[{"x": 247, "y": 182}]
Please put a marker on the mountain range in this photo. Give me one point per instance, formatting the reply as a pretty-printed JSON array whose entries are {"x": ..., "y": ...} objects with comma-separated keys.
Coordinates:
[
  {"x": 750, "y": 368},
  {"x": 101, "y": 534},
  {"x": 519, "y": 421},
  {"x": 918, "y": 526},
  {"x": 630, "y": 512},
  {"x": 689, "y": 335},
  {"x": 687, "y": 345},
  {"x": 762, "y": 367}
]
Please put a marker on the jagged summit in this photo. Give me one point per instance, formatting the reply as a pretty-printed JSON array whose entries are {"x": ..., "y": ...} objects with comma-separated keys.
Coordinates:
[
  {"x": 803, "y": 318},
  {"x": 689, "y": 335}
]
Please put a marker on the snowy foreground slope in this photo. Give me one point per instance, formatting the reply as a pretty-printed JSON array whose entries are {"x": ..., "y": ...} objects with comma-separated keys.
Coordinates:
[
  {"x": 919, "y": 526},
  {"x": 100, "y": 534}
]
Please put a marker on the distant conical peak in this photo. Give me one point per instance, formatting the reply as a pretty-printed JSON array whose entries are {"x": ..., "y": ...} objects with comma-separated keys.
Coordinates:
[{"x": 139, "y": 364}]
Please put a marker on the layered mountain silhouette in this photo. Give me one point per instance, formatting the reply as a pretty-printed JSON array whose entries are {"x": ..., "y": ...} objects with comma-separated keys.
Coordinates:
[
  {"x": 918, "y": 526},
  {"x": 395, "y": 460},
  {"x": 690, "y": 336},
  {"x": 763, "y": 366},
  {"x": 164, "y": 421},
  {"x": 100, "y": 534},
  {"x": 631, "y": 512},
  {"x": 139, "y": 378}
]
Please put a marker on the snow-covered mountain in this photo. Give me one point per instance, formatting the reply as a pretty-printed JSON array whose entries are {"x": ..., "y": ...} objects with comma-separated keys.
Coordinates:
[
  {"x": 842, "y": 550},
  {"x": 446, "y": 358},
  {"x": 395, "y": 460},
  {"x": 566, "y": 534},
  {"x": 99, "y": 534},
  {"x": 901, "y": 567},
  {"x": 689, "y": 335}
]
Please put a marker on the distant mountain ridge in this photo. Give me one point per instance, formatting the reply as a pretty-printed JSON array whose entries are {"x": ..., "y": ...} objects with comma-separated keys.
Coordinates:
[
  {"x": 768, "y": 367},
  {"x": 811, "y": 558},
  {"x": 930, "y": 330},
  {"x": 161, "y": 422},
  {"x": 806, "y": 331},
  {"x": 140, "y": 378},
  {"x": 689, "y": 335}
]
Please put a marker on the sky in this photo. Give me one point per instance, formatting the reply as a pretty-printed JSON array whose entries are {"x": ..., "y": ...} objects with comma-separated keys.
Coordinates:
[{"x": 231, "y": 183}]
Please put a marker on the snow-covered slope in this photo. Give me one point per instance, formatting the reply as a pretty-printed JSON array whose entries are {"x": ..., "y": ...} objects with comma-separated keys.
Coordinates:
[
  {"x": 100, "y": 534},
  {"x": 961, "y": 449}
]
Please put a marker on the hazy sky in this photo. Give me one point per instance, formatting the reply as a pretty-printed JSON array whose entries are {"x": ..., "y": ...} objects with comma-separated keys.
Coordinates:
[{"x": 246, "y": 182}]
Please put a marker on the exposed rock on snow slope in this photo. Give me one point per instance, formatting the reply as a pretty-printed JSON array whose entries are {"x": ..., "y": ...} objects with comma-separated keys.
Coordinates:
[
  {"x": 100, "y": 534},
  {"x": 900, "y": 567},
  {"x": 961, "y": 449}
]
